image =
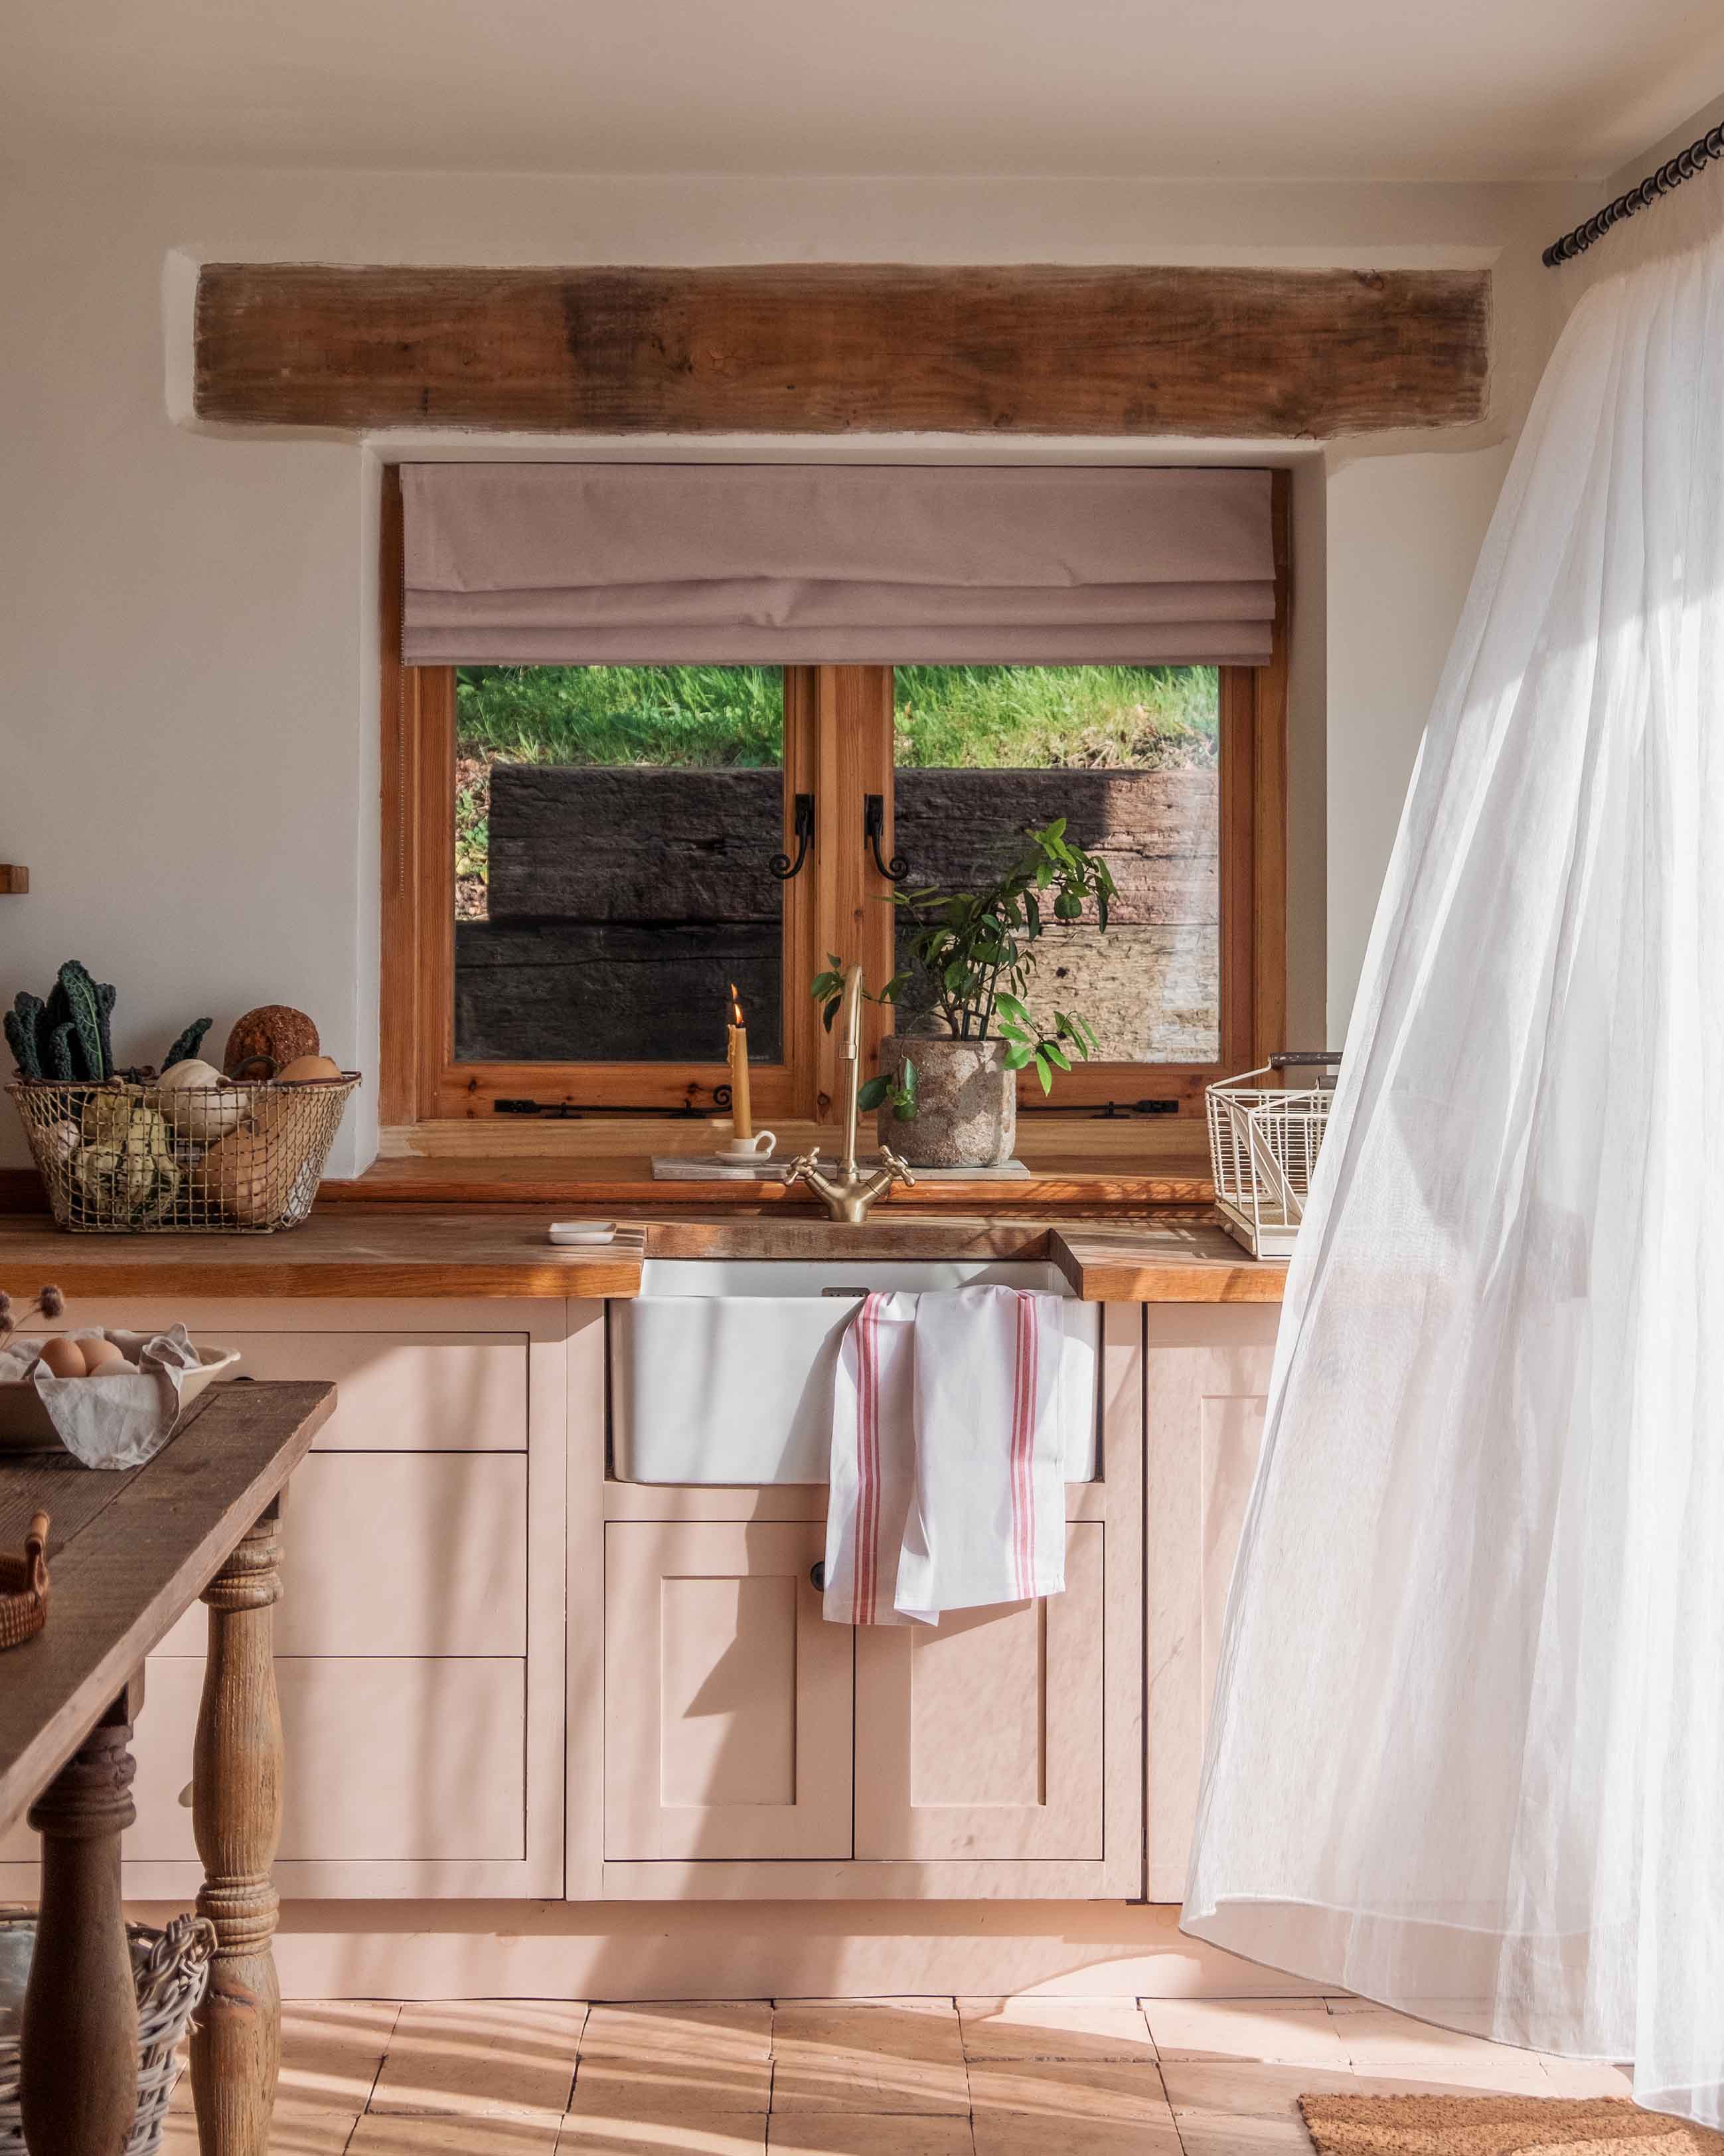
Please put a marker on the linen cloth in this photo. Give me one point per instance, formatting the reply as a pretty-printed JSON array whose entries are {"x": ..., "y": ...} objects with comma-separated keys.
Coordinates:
[
  {"x": 111, "y": 1422},
  {"x": 1467, "y": 1748},
  {"x": 948, "y": 1475}
]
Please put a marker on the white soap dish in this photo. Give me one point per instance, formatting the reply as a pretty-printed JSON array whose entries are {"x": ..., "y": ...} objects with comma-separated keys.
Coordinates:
[{"x": 567, "y": 1232}]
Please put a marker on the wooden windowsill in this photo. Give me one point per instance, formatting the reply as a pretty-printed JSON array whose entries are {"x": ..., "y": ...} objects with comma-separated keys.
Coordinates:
[
  {"x": 1079, "y": 1164},
  {"x": 1080, "y": 1167}
]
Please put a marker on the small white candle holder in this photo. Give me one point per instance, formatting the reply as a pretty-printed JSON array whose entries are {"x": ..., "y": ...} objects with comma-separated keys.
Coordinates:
[{"x": 758, "y": 1147}]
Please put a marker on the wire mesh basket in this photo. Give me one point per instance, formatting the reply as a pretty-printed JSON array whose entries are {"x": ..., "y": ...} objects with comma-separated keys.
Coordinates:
[
  {"x": 170, "y": 1970},
  {"x": 1264, "y": 1139},
  {"x": 156, "y": 1158}
]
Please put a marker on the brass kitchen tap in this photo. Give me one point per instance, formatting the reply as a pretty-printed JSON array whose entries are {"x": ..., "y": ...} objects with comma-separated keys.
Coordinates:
[{"x": 851, "y": 1193}]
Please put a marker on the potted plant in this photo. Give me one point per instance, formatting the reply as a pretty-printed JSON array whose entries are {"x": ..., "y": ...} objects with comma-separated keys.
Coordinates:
[{"x": 948, "y": 1098}]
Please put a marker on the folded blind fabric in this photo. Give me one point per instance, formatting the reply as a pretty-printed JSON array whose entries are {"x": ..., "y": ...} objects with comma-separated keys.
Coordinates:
[{"x": 797, "y": 565}]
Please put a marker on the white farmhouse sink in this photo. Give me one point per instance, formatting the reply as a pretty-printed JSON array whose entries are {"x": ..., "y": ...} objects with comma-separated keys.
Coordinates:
[{"x": 721, "y": 1368}]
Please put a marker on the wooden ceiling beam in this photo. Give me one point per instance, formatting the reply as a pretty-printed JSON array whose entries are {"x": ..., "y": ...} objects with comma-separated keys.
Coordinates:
[{"x": 842, "y": 349}]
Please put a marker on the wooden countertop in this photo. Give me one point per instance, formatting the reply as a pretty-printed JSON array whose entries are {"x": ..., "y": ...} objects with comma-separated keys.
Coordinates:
[{"x": 357, "y": 1251}]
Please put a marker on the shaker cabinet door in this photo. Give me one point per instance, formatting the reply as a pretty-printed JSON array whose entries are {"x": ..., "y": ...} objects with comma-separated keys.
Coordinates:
[
  {"x": 727, "y": 1708},
  {"x": 1207, "y": 1375},
  {"x": 982, "y": 1737}
]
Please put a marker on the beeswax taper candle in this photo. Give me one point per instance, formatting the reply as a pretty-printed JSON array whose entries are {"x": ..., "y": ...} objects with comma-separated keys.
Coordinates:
[{"x": 742, "y": 1110}]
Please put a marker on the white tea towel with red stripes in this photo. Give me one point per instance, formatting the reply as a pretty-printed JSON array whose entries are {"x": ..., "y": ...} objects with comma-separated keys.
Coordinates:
[{"x": 948, "y": 1474}]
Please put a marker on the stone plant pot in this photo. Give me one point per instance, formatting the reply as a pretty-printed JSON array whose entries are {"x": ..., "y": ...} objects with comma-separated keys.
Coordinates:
[{"x": 967, "y": 1116}]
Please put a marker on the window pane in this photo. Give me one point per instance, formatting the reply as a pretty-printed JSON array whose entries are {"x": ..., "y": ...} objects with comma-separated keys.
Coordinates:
[
  {"x": 1130, "y": 757},
  {"x": 612, "y": 829}
]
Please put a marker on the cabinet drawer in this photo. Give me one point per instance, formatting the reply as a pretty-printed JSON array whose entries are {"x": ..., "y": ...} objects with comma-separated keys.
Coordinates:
[
  {"x": 397, "y": 1554},
  {"x": 981, "y": 1737},
  {"x": 727, "y": 1696},
  {"x": 383, "y": 1758},
  {"x": 404, "y": 1391}
]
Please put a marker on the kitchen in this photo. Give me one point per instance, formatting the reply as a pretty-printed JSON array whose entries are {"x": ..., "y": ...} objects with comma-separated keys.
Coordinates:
[{"x": 562, "y": 1723}]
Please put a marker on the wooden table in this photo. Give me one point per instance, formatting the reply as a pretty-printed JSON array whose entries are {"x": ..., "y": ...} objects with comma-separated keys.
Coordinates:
[{"x": 128, "y": 1554}]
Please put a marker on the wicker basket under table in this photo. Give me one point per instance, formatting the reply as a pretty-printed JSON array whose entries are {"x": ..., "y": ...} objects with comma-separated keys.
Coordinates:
[
  {"x": 171, "y": 1970},
  {"x": 127, "y": 1159}
]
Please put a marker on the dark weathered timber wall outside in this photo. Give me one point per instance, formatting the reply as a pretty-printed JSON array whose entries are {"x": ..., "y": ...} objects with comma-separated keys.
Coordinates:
[
  {"x": 621, "y": 902},
  {"x": 575, "y": 843}
]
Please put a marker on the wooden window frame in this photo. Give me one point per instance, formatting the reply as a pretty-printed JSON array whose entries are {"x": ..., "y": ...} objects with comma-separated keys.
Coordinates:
[{"x": 836, "y": 746}]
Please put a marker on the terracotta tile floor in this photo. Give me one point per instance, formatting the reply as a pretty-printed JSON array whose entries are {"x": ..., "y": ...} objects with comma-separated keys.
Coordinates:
[{"x": 881, "y": 2078}]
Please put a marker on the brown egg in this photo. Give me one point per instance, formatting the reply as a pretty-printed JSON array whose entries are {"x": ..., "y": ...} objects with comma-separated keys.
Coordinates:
[
  {"x": 306, "y": 1067},
  {"x": 63, "y": 1359},
  {"x": 103, "y": 1359}
]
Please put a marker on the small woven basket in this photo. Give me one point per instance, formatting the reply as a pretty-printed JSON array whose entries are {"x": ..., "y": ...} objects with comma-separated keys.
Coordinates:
[
  {"x": 24, "y": 1586},
  {"x": 122, "y": 1158},
  {"x": 171, "y": 1970}
]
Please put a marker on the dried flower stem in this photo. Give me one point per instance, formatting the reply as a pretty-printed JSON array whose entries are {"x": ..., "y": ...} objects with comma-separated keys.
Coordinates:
[{"x": 50, "y": 1303}]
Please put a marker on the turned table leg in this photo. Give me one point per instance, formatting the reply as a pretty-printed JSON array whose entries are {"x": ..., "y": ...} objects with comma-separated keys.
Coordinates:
[
  {"x": 80, "y": 2068},
  {"x": 236, "y": 1816}
]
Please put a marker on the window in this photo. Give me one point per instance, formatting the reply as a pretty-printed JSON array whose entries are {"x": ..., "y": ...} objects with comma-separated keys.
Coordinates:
[
  {"x": 614, "y": 828},
  {"x": 582, "y": 861},
  {"x": 1129, "y": 757}
]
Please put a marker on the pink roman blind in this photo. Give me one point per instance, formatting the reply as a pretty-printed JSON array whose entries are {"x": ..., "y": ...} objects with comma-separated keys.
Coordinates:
[{"x": 796, "y": 565}]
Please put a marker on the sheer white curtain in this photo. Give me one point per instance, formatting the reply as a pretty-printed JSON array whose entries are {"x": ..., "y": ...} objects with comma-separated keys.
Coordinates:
[{"x": 1467, "y": 1754}]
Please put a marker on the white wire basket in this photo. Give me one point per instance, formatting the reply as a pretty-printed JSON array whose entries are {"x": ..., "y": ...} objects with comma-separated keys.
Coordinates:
[{"x": 1264, "y": 1140}]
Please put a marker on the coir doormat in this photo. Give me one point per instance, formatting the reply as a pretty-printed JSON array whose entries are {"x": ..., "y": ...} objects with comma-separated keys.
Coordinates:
[{"x": 1498, "y": 2126}]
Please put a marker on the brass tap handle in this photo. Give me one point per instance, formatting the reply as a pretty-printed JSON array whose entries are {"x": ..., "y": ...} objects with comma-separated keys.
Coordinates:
[
  {"x": 900, "y": 1168},
  {"x": 802, "y": 1168}
]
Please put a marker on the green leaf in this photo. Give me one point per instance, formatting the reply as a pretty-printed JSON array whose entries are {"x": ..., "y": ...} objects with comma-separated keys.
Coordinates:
[
  {"x": 871, "y": 1093},
  {"x": 908, "y": 1080},
  {"x": 1013, "y": 1009},
  {"x": 904, "y": 1111},
  {"x": 1055, "y": 1055},
  {"x": 894, "y": 987},
  {"x": 1017, "y": 1057},
  {"x": 829, "y": 1013},
  {"x": 1043, "y": 1072}
]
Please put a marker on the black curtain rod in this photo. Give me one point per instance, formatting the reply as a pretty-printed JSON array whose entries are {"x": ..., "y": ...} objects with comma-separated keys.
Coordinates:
[{"x": 1683, "y": 166}]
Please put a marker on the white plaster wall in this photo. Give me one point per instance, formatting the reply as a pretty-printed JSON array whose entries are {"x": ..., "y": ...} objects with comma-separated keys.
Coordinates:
[
  {"x": 187, "y": 675},
  {"x": 1394, "y": 599}
]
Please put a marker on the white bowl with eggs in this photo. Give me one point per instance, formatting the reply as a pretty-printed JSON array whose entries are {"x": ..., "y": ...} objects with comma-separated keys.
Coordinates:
[{"x": 24, "y": 1423}]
